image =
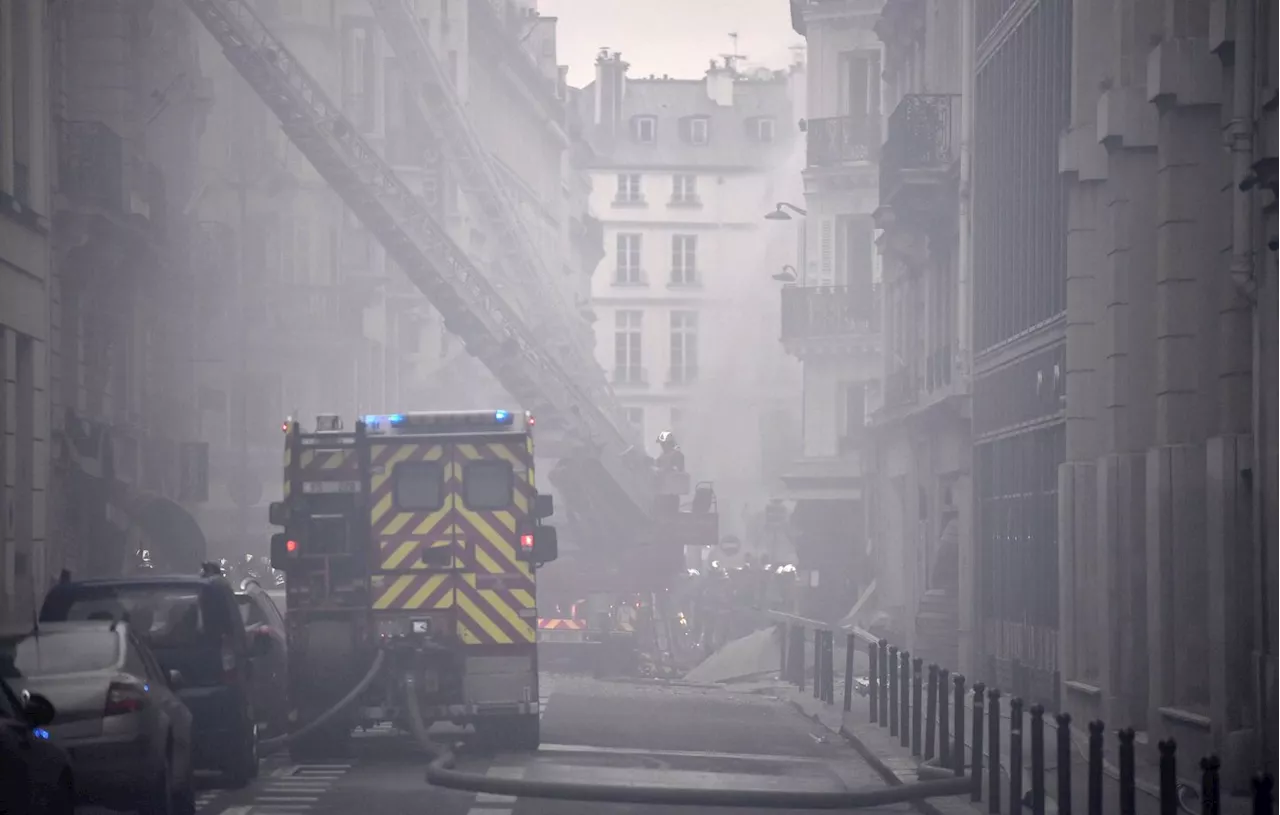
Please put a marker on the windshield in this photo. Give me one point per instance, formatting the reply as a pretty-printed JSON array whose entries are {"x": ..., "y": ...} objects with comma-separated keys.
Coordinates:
[
  {"x": 164, "y": 616},
  {"x": 58, "y": 652}
]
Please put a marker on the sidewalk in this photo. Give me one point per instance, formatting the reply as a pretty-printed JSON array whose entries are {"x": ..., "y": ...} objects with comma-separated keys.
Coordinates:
[{"x": 896, "y": 764}]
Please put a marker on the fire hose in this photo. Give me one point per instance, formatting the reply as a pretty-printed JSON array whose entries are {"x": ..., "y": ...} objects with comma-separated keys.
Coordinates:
[{"x": 441, "y": 772}]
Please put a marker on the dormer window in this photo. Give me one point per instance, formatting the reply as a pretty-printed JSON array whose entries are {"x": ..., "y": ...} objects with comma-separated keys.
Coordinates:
[
  {"x": 764, "y": 130},
  {"x": 644, "y": 129},
  {"x": 698, "y": 130}
]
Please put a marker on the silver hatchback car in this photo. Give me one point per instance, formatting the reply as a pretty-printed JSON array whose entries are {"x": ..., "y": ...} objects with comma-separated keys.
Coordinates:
[{"x": 128, "y": 734}]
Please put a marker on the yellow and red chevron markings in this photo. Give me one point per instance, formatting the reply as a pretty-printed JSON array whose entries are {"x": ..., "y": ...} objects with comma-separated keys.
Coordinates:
[
  {"x": 479, "y": 575},
  {"x": 561, "y": 624}
]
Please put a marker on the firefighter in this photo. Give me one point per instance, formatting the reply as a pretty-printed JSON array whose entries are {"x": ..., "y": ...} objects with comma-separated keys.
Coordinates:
[{"x": 672, "y": 457}]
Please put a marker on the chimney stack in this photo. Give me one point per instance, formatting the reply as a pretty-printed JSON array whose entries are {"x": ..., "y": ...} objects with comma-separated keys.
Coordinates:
[
  {"x": 611, "y": 88},
  {"x": 720, "y": 82}
]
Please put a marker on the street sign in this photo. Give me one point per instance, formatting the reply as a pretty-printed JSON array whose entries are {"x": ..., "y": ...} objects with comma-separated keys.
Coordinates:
[{"x": 193, "y": 460}]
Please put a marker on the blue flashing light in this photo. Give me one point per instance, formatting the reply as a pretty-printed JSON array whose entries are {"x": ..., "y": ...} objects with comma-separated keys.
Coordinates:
[
  {"x": 146, "y": 688},
  {"x": 378, "y": 422},
  {"x": 40, "y": 733},
  {"x": 502, "y": 417}
]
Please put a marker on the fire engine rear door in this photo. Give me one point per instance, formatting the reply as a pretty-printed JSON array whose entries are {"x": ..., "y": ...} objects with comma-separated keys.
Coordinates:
[{"x": 417, "y": 553}]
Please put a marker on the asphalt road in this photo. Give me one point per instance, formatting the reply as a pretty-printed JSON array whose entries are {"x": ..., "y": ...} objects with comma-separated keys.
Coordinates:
[{"x": 628, "y": 732}]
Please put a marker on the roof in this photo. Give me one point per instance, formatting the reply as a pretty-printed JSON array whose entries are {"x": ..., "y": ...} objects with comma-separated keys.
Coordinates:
[
  {"x": 142, "y": 581},
  {"x": 671, "y": 100},
  {"x": 23, "y": 630}
]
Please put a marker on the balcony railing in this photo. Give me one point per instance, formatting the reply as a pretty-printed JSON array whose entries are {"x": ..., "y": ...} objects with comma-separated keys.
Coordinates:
[
  {"x": 829, "y": 311},
  {"x": 842, "y": 139},
  {"x": 91, "y": 164},
  {"x": 923, "y": 134}
]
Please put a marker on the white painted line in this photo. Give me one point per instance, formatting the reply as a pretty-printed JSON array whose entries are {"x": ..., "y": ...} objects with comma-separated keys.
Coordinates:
[
  {"x": 487, "y": 803},
  {"x": 628, "y": 751},
  {"x": 285, "y": 799}
]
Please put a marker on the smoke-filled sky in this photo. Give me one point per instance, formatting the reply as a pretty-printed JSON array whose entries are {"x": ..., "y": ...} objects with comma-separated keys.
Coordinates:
[{"x": 675, "y": 37}]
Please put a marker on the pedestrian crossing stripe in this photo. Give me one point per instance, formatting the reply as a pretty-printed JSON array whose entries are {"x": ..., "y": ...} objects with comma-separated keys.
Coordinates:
[{"x": 295, "y": 789}]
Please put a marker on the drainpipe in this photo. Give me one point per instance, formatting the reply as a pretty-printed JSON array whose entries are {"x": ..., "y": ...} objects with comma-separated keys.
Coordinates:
[
  {"x": 1243, "y": 275},
  {"x": 964, "y": 328}
]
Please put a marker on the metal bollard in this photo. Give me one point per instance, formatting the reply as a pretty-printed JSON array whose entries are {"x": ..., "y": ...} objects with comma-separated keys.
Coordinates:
[
  {"x": 799, "y": 645},
  {"x": 1064, "y": 763},
  {"x": 829, "y": 672},
  {"x": 944, "y": 718},
  {"x": 917, "y": 722},
  {"x": 993, "y": 748},
  {"x": 873, "y": 680},
  {"x": 1037, "y": 759},
  {"x": 1168, "y": 750},
  {"x": 817, "y": 664},
  {"x": 1128, "y": 800},
  {"x": 1015, "y": 753},
  {"x": 1210, "y": 792},
  {"x": 893, "y": 690},
  {"x": 1096, "y": 729},
  {"x": 904, "y": 698},
  {"x": 975, "y": 775},
  {"x": 957, "y": 755},
  {"x": 883, "y": 718},
  {"x": 850, "y": 648},
  {"x": 931, "y": 711}
]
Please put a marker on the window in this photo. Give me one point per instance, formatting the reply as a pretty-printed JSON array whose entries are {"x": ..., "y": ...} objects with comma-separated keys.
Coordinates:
[
  {"x": 645, "y": 129},
  {"x": 629, "y": 191},
  {"x": 853, "y": 407},
  {"x": 162, "y": 616},
  {"x": 684, "y": 347},
  {"x": 419, "y": 486},
  {"x": 699, "y": 130},
  {"x": 358, "y": 73},
  {"x": 684, "y": 260},
  {"x": 626, "y": 346},
  {"x": 635, "y": 418},
  {"x": 684, "y": 189},
  {"x": 54, "y": 653},
  {"x": 855, "y": 253},
  {"x": 628, "y": 271},
  {"x": 764, "y": 130},
  {"x": 488, "y": 485}
]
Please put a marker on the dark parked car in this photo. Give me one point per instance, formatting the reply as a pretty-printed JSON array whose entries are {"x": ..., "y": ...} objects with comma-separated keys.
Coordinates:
[
  {"x": 35, "y": 772},
  {"x": 265, "y": 626},
  {"x": 128, "y": 734},
  {"x": 193, "y": 626}
]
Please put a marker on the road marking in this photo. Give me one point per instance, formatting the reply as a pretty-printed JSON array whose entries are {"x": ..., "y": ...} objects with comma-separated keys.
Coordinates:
[
  {"x": 629, "y": 751},
  {"x": 294, "y": 789},
  {"x": 487, "y": 803}
]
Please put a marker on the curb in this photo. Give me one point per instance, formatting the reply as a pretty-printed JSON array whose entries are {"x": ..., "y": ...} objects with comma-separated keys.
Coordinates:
[{"x": 870, "y": 756}]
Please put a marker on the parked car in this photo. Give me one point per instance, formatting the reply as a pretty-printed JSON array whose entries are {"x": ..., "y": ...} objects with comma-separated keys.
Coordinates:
[
  {"x": 265, "y": 626},
  {"x": 128, "y": 735},
  {"x": 193, "y": 626},
  {"x": 35, "y": 772}
]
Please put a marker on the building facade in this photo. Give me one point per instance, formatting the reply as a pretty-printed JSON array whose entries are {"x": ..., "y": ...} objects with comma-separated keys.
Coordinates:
[
  {"x": 831, "y": 307},
  {"x": 1080, "y": 328},
  {"x": 26, "y": 268},
  {"x": 682, "y": 171},
  {"x": 921, "y": 475}
]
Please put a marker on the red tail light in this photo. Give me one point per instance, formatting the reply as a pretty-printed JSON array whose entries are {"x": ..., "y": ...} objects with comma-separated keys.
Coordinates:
[
  {"x": 526, "y": 542},
  {"x": 124, "y": 698},
  {"x": 229, "y": 672}
]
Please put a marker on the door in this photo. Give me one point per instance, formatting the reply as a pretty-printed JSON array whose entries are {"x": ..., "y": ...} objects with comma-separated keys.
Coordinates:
[{"x": 417, "y": 551}]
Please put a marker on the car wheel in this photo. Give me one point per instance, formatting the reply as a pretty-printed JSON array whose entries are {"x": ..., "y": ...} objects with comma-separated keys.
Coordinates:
[{"x": 159, "y": 799}]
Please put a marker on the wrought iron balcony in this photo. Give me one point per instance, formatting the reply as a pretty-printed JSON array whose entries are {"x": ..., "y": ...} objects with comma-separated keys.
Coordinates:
[
  {"x": 829, "y": 311},
  {"x": 91, "y": 165},
  {"x": 842, "y": 139},
  {"x": 923, "y": 140}
]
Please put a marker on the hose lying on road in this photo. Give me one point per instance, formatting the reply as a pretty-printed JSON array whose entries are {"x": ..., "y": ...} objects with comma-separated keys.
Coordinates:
[
  {"x": 328, "y": 715},
  {"x": 441, "y": 773}
]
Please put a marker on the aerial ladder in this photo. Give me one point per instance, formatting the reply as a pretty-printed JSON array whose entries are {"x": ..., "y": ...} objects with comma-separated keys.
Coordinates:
[
  {"x": 477, "y": 177},
  {"x": 472, "y": 309}
]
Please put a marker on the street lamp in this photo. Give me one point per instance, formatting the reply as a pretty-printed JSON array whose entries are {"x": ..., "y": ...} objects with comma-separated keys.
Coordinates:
[
  {"x": 787, "y": 275},
  {"x": 779, "y": 215}
]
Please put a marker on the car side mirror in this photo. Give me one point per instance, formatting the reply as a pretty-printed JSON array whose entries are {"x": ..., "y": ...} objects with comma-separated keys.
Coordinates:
[
  {"x": 175, "y": 679},
  {"x": 546, "y": 544},
  {"x": 277, "y": 514},
  {"x": 261, "y": 644},
  {"x": 37, "y": 709},
  {"x": 543, "y": 506},
  {"x": 280, "y": 554}
]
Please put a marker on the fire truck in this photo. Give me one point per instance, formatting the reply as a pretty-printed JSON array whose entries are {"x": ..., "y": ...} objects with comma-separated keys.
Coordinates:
[{"x": 411, "y": 546}]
